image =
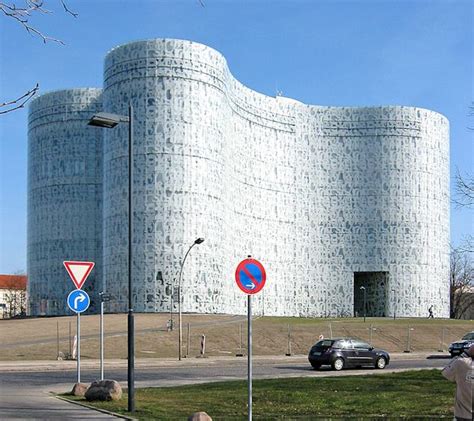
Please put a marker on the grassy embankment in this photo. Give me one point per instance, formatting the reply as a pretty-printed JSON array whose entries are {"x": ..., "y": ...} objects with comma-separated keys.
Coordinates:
[
  {"x": 420, "y": 394},
  {"x": 36, "y": 338}
]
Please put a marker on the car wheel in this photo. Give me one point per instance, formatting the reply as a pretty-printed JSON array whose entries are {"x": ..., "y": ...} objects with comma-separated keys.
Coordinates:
[
  {"x": 316, "y": 366},
  {"x": 338, "y": 364},
  {"x": 380, "y": 363}
]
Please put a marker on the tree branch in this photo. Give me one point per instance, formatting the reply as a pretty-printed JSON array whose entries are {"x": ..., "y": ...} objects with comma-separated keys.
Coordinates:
[
  {"x": 69, "y": 10},
  {"x": 23, "y": 14},
  {"x": 19, "y": 102},
  {"x": 464, "y": 190}
]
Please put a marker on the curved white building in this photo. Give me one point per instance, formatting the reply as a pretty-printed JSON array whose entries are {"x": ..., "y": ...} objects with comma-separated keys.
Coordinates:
[{"x": 329, "y": 199}]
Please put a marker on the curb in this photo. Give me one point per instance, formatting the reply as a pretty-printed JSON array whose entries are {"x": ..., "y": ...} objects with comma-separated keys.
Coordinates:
[
  {"x": 124, "y": 417},
  {"x": 141, "y": 363}
]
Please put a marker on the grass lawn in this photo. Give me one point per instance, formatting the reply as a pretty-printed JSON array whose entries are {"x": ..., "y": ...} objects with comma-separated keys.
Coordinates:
[{"x": 423, "y": 394}]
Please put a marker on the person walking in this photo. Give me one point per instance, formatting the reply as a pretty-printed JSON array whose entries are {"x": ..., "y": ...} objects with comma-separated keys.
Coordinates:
[
  {"x": 430, "y": 312},
  {"x": 461, "y": 371}
]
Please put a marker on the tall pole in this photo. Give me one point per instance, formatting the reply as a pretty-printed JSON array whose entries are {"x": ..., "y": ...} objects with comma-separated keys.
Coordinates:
[
  {"x": 363, "y": 289},
  {"x": 101, "y": 339},
  {"x": 394, "y": 304},
  {"x": 78, "y": 330},
  {"x": 57, "y": 338},
  {"x": 180, "y": 321},
  {"x": 249, "y": 354},
  {"x": 131, "y": 322},
  {"x": 171, "y": 304},
  {"x": 365, "y": 305}
]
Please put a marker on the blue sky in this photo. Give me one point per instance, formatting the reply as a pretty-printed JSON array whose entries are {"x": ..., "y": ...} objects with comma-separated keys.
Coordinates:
[{"x": 325, "y": 52}]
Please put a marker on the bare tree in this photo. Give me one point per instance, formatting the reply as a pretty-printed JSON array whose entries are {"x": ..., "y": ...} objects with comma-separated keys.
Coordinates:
[
  {"x": 464, "y": 190},
  {"x": 15, "y": 300},
  {"x": 22, "y": 15},
  {"x": 464, "y": 193},
  {"x": 461, "y": 283}
]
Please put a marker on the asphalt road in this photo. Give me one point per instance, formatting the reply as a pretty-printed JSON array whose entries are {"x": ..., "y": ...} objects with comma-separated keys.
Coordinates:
[
  {"x": 25, "y": 393},
  {"x": 171, "y": 373}
]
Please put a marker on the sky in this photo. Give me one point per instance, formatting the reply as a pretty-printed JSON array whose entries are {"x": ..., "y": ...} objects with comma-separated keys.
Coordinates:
[{"x": 321, "y": 52}]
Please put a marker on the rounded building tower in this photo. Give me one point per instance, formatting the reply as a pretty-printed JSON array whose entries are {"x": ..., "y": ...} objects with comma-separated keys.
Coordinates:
[
  {"x": 338, "y": 203},
  {"x": 64, "y": 196}
]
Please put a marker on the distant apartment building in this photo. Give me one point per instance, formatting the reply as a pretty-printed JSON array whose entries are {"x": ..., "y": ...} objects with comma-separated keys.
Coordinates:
[
  {"x": 336, "y": 202},
  {"x": 13, "y": 296}
]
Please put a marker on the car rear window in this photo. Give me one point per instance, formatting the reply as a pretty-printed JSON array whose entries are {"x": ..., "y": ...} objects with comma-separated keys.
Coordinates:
[
  {"x": 343, "y": 344},
  {"x": 326, "y": 343}
]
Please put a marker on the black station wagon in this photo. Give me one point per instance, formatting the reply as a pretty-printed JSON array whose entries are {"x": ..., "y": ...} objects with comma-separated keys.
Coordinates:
[
  {"x": 340, "y": 353},
  {"x": 458, "y": 347}
]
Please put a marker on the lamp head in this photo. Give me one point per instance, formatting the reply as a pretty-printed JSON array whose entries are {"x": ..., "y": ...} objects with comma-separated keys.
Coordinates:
[
  {"x": 106, "y": 120},
  {"x": 198, "y": 240}
]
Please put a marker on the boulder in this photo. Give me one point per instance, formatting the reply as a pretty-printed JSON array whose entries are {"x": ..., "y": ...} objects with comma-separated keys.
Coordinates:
[
  {"x": 79, "y": 389},
  {"x": 104, "y": 390},
  {"x": 199, "y": 416}
]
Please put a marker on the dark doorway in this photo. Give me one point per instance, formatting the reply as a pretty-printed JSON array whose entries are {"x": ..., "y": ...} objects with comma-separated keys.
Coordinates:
[{"x": 375, "y": 284}]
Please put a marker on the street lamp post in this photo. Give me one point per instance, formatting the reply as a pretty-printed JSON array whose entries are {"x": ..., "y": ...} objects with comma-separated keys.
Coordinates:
[
  {"x": 109, "y": 121},
  {"x": 180, "y": 327},
  {"x": 363, "y": 288}
]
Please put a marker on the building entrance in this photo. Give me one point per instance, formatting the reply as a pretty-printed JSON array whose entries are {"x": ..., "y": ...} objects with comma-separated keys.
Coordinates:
[{"x": 375, "y": 284}]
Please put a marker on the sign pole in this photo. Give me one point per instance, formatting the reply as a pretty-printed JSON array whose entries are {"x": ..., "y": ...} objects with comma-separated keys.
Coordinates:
[
  {"x": 250, "y": 277},
  {"x": 78, "y": 347},
  {"x": 249, "y": 357},
  {"x": 101, "y": 339}
]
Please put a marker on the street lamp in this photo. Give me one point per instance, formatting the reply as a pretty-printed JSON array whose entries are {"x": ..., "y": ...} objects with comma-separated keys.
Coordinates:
[
  {"x": 104, "y": 297},
  {"x": 363, "y": 288},
  {"x": 394, "y": 303},
  {"x": 109, "y": 121},
  {"x": 180, "y": 327}
]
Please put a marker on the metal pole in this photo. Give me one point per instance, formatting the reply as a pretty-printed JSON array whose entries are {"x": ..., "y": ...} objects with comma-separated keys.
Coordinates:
[
  {"x": 101, "y": 340},
  {"x": 394, "y": 304},
  {"x": 70, "y": 345},
  {"x": 180, "y": 321},
  {"x": 171, "y": 304},
  {"x": 370, "y": 341},
  {"x": 78, "y": 328},
  {"x": 180, "y": 334},
  {"x": 408, "y": 340},
  {"x": 131, "y": 321},
  {"x": 57, "y": 340},
  {"x": 249, "y": 353},
  {"x": 364, "y": 306},
  {"x": 288, "y": 353},
  {"x": 188, "y": 340}
]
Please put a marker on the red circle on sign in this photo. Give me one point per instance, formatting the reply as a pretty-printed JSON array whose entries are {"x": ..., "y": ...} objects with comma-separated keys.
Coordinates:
[{"x": 246, "y": 276}]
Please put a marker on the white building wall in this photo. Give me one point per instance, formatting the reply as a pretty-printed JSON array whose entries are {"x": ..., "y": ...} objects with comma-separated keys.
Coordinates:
[
  {"x": 64, "y": 196},
  {"x": 315, "y": 193}
]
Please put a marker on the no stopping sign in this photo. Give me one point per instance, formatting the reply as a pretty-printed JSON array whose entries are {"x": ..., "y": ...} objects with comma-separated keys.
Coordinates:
[{"x": 250, "y": 276}]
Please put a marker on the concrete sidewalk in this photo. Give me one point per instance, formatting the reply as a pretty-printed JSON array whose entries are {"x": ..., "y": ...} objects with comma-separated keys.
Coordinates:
[{"x": 44, "y": 365}]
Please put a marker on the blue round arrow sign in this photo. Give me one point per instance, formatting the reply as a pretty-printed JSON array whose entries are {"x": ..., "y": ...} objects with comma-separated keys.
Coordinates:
[{"x": 78, "y": 300}]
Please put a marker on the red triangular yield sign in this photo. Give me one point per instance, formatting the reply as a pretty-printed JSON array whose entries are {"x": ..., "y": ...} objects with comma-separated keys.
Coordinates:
[{"x": 78, "y": 271}]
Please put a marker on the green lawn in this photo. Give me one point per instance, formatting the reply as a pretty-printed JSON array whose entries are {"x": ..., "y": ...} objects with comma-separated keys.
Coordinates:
[{"x": 423, "y": 394}]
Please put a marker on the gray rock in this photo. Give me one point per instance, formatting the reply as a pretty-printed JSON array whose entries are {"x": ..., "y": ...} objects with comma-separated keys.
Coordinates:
[
  {"x": 199, "y": 416},
  {"x": 104, "y": 390},
  {"x": 79, "y": 389}
]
